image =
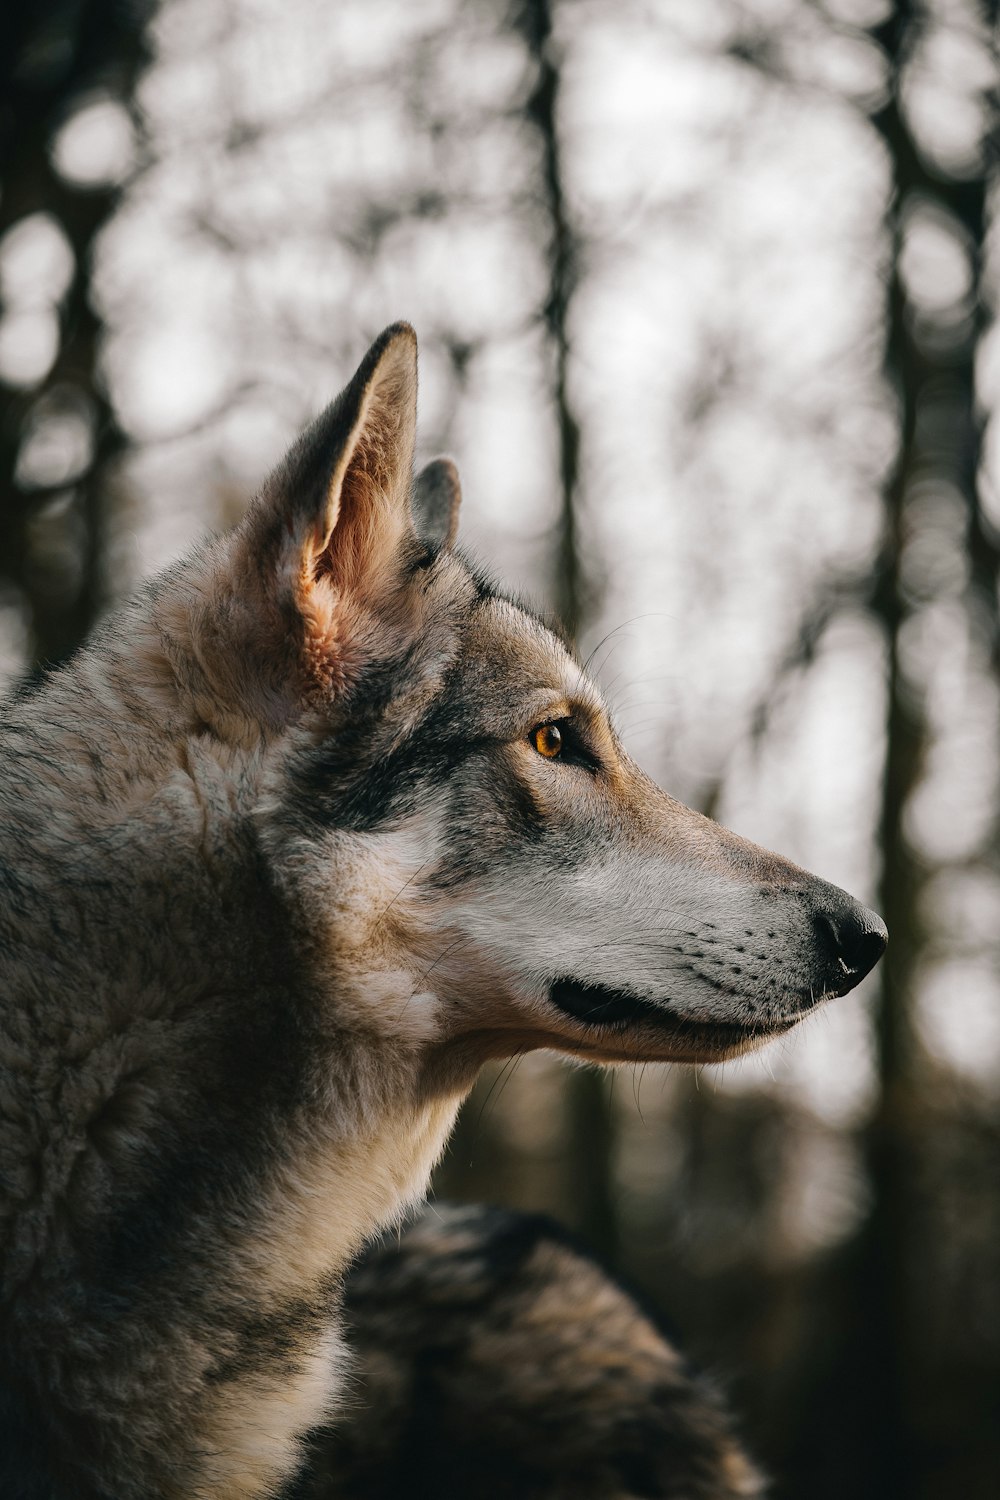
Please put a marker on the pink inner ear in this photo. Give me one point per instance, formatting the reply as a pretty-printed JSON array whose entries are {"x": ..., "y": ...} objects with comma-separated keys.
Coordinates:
[
  {"x": 366, "y": 519},
  {"x": 347, "y": 572}
]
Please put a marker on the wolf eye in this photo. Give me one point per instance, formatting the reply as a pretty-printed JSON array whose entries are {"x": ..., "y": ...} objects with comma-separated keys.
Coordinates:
[{"x": 548, "y": 740}]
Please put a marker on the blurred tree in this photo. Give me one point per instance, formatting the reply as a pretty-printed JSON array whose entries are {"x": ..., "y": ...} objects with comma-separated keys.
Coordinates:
[
  {"x": 591, "y": 1154},
  {"x": 58, "y": 431},
  {"x": 910, "y": 1437}
]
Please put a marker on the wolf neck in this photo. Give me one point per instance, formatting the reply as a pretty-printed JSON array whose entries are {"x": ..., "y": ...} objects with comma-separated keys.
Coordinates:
[
  {"x": 265, "y": 1122},
  {"x": 329, "y": 1195}
]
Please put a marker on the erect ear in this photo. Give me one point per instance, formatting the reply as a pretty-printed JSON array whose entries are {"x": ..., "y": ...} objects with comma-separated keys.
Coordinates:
[
  {"x": 437, "y": 496},
  {"x": 331, "y": 533},
  {"x": 344, "y": 487}
]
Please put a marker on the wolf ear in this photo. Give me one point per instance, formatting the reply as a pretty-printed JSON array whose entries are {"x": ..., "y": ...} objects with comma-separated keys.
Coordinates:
[
  {"x": 437, "y": 497},
  {"x": 330, "y": 535},
  {"x": 344, "y": 488}
]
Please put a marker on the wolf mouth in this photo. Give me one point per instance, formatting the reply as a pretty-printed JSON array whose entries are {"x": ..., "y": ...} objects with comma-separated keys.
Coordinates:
[{"x": 599, "y": 1006}]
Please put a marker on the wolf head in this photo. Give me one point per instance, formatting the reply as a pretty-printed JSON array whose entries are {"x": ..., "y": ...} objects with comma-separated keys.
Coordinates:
[{"x": 471, "y": 857}]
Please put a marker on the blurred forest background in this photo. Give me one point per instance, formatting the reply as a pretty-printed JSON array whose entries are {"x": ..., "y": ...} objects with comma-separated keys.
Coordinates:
[{"x": 705, "y": 292}]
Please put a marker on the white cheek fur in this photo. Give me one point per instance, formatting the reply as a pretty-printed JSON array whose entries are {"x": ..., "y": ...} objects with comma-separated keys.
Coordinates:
[{"x": 705, "y": 946}]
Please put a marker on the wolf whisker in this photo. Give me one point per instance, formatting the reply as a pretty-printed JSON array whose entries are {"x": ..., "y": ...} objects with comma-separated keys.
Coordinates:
[
  {"x": 455, "y": 942},
  {"x": 404, "y": 887}
]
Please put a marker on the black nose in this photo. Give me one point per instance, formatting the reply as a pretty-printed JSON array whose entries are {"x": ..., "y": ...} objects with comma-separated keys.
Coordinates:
[{"x": 851, "y": 939}]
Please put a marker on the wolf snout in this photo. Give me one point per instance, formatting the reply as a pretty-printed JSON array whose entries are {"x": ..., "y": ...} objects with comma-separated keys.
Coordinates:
[{"x": 850, "y": 939}]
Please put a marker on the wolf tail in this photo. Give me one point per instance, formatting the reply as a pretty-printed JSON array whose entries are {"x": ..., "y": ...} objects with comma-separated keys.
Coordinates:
[{"x": 497, "y": 1361}]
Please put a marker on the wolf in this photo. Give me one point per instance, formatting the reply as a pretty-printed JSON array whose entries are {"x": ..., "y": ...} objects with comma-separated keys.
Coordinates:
[{"x": 315, "y": 826}]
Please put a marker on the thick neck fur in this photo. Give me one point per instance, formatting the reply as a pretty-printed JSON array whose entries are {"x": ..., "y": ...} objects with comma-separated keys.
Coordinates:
[{"x": 170, "y": 1063}]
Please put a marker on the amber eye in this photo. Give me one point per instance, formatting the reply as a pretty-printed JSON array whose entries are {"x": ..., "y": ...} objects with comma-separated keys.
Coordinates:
[{"x": 548, "y": 740}]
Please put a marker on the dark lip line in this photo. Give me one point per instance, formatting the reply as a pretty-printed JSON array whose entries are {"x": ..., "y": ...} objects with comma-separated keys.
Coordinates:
[
  {"x": 634, "y": 1008},
  {"x": 630, "y": 1007}
]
